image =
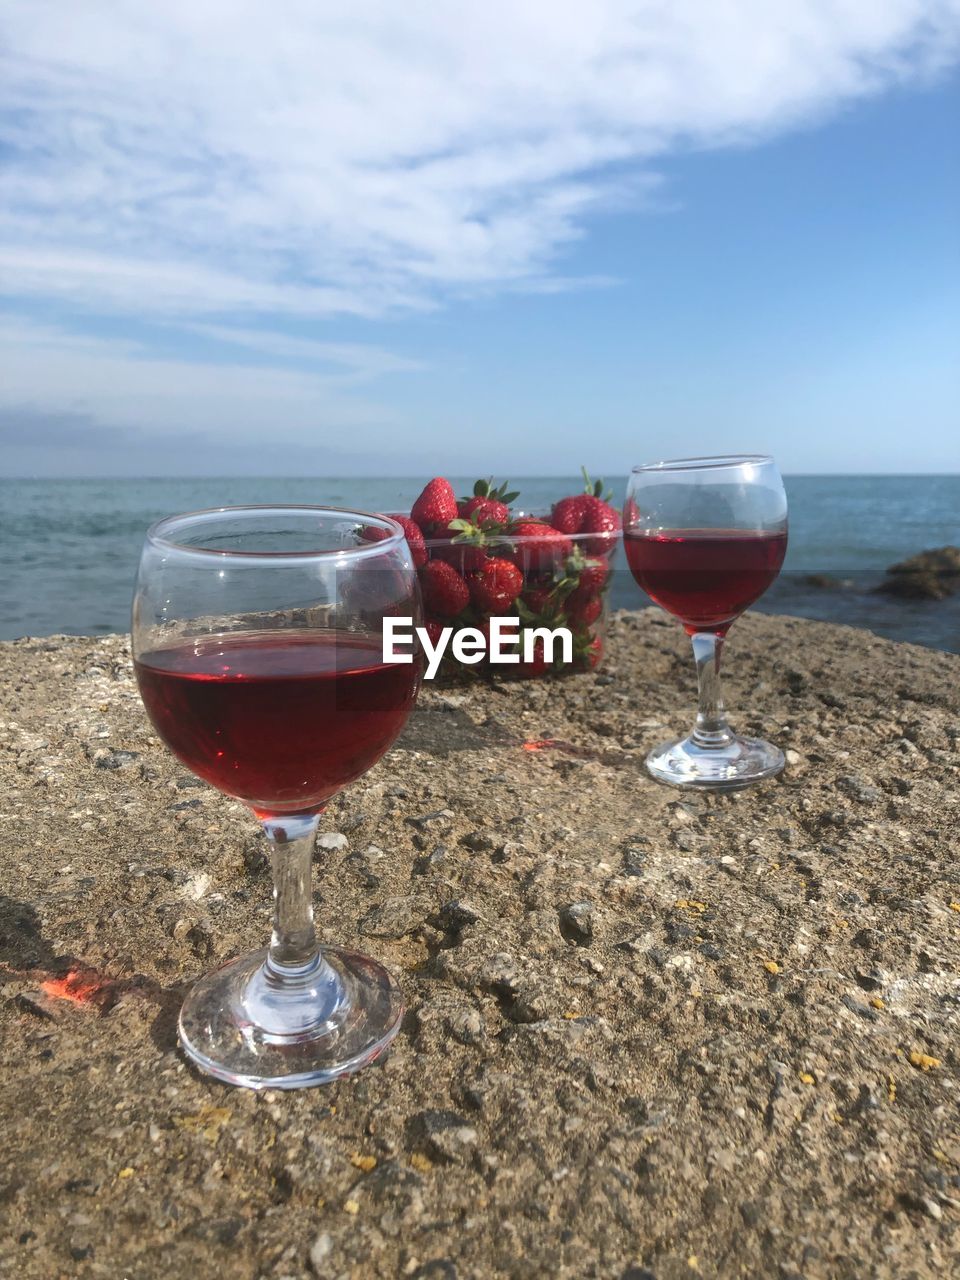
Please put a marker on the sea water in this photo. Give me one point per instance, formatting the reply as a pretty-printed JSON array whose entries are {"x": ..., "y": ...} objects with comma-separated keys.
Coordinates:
[{"x": 69, "y": 548}]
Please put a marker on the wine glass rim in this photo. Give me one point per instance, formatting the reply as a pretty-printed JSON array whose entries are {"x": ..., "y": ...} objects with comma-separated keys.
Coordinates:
[
  {"x": 157, "y": 534},
  {"x": 708, "y": 463}
]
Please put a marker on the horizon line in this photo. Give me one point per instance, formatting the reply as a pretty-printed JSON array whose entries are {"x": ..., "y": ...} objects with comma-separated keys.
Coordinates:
[{"x": 518, "y": 476}]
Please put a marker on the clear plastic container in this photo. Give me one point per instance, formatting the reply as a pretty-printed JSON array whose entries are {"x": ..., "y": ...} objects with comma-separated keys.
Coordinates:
[{"x": 564, "y": 582}]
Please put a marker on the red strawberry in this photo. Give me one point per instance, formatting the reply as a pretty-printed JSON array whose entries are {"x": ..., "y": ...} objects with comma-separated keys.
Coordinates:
[
  {"x": 583, "y": 607},
  {"x": 488, "y": 505},
  {"x": 437, "y": 505},
  {"x": 483, "y": 512},
  {"x": 600, "y": 518},
  {"x": 594, "y": 574},
  {"x": 541, "y": 601},
  {"x": 414, "y": 536},
  {"x": 464, "y": 556},
  {"x": 545, "y": 547},
  {"x": 444, "y": 591},
  {"x": 538, "y": 664},
  {"x": 496, "y": 586},
  {"x": 587, "y": 512},
  {"x": 433, "y": 627},
  {"x": 594, "y": 653},
  {"x": 474, "y": 558},
  {"x": 567, "y": 514},
  {"x": 374, "y": 533}
]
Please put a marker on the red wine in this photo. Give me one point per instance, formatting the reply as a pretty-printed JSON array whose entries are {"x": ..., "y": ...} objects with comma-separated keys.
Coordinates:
[
  {"x": 705, "y": 577},
  {"x": 282, "y": 720}
]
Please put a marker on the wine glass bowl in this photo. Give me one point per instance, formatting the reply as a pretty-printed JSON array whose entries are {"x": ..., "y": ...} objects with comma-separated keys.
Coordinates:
[
  {"x": 705, "y": 538},
  {"x": 280, "y": 719},
  {"x": 257, "y": 640}
]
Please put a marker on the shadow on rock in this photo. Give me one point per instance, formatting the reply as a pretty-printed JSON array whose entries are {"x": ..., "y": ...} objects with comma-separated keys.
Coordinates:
[
  {"x": 22, "y": 945},
  {"x": 444, "y": 729},
  {"x": 50, "y": 982}
]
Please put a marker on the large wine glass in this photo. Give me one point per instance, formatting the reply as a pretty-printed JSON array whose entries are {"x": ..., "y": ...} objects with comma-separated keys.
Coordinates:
[
  {"x": 257, "y": 642},
  {"x": 705, "y": 538}
]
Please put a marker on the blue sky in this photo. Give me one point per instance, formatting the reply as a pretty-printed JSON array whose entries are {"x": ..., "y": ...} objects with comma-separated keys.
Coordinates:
[{"x": 404, "y": 243}]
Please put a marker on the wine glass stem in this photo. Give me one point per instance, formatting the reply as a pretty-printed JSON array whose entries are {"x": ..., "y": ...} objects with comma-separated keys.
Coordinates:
[
  {"x": 293, "y": 945},
  {"x": 711, "y": 729}
]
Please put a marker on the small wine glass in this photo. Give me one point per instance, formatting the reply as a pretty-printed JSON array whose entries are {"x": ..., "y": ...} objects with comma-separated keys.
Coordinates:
[
  {"x": 257, "y": 643},
  {"x": 705, "y": 538}
]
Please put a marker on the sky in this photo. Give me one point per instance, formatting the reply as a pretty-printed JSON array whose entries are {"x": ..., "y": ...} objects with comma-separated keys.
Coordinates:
[{"x": 237, "y": 238}]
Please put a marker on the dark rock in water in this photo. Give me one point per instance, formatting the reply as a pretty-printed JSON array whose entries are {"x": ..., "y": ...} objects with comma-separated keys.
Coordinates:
[
  {"x": 931, "y": 575},
  {"x": 826, "y": 582}
]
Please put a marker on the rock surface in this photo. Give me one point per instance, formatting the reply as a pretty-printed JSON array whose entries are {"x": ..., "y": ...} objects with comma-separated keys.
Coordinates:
[{"x": 649, "y": 1034}]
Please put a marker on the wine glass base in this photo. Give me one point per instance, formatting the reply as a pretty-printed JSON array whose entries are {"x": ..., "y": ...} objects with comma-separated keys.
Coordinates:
[
  {"x": 736, "y": 763},
  {"x": 240, "y": 1025}
]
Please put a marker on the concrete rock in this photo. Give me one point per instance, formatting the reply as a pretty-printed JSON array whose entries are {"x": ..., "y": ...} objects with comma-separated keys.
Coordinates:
[{"x": 643, "y": 1027}]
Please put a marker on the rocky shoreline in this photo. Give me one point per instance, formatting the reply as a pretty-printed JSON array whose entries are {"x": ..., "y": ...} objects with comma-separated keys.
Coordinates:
[
  {"x": 647, "y": 1034},
  {"x": 931, "y": 575}
]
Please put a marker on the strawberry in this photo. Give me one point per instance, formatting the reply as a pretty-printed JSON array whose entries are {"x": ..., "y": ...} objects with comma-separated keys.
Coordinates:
[
  {"x": 473, "y": 559},
  {"x": 583, "y": 607},
  {"x": 411, "y": 531},
  {"x": 465, "y": 556},
  {"x": 487, "y": 505},
  {"x": 414, "y": 536},
  {"x": 599, "y": 518},
  {"x": 567, "y": 514},
  {"x": 588, "y": 512},
  {"x": 545, "y": 546},
  {"x": 433, "y": 627},
  {"x": 496, "y": 586},
  {"x": 538, "y": 664},
  {"x": 374, "y": 533},
  {"x": 483, "y": 512},
  {"x": 541, "y": 601},
  {"x": 594, "y": 652},
  {"x": 437, "y": 505},
  {"x": 444, "y": 591},
  {"x": 479, "y": 519},
  {"x": 594, "y": 574}
]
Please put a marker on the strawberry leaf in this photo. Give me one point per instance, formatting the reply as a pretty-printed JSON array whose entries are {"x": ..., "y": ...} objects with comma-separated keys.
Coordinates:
[{"x": 594, "y": 487}]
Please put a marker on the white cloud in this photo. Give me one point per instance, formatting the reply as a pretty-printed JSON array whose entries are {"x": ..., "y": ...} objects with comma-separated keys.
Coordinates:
[
  {"x": 221, "y": 168},
  {"x": 355, "y": 362},
  {"x": 234, "y": 157},
  {"x": 124, "y": 384}
]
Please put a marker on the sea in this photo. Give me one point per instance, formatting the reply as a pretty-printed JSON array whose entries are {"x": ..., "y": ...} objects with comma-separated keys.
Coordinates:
[{"x": 69, "y": 548}]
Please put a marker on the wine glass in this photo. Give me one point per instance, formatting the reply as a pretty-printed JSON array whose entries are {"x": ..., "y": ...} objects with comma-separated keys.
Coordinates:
[
  {"x": 257, "y": 643},
  {"x": 705, "y": 537}
]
